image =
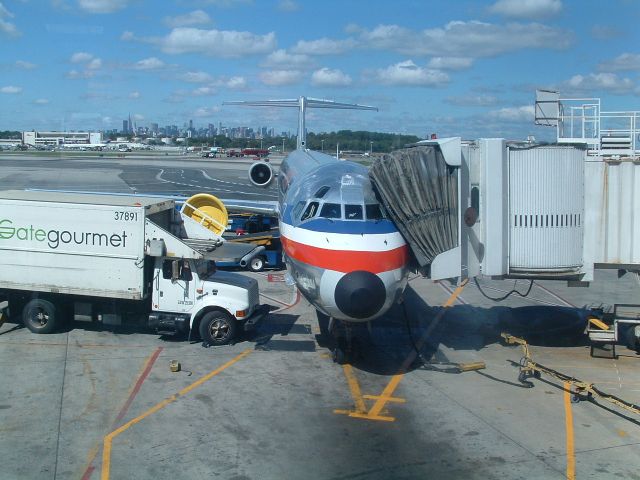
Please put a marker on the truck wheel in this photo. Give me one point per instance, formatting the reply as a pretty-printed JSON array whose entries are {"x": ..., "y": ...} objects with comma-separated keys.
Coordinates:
[
  {"x": 217, "y": 328},
  {"x": 39, "y": 316},
  {"x": 256, "y": 264}
]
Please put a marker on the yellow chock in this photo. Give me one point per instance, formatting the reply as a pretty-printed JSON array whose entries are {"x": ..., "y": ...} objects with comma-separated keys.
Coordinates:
[
  {"x": 174, "y": 366},
  {"x": 596, "y": 322},
  {"x": 471, "y": 366}
]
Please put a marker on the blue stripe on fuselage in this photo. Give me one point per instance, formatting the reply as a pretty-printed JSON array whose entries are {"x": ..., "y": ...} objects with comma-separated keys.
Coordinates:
[{"x": 353, "y": 227}]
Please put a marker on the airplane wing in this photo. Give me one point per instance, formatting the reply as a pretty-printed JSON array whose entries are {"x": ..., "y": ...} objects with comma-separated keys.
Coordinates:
[{"x": 265, "y": 207}]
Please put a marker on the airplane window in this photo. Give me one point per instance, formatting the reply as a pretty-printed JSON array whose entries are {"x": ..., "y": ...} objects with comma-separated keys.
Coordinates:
[
  {"x": 298, "y": 209},
  {"x": 322, "y": 191},
  {"x": 331, "y": 210},
  {"x": 353, "y": 212},
  {"x": 310, "y": 212},
  {"x": 373, "y": 212}
]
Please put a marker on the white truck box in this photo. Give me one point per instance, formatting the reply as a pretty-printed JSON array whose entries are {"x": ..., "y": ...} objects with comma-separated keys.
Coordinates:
[{"x": 89, "y": 245}]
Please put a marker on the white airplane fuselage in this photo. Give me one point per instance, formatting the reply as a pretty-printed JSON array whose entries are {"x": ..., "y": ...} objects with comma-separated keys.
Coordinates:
[{"x": 346, "y": 258}]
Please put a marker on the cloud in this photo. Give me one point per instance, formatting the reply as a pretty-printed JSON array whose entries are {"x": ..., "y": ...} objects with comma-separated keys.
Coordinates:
[
  {"x": 236, "y": 83},
  {"x": 10, "y": 89},
  {"x": 94, "y": 64},
  {"x": 150, "y": 63},
  {"x": 127, "y": 36},
  {"x": 326, "y": 77},
  {"x": 134, "y": 95},
  {"x": 605, "y": 81},
  {"x": 203, "y": 112},
  {"x": 280, "y": 77},
  {"x": 102, "y": 6},
  {"x": 605, "y": 32},
  {"x": 524, "y": 113},
  {"x": 41, "y": 101},
  {"x": 472, "y": 100},
  {"x": 228, "y": 3},
  {"x": 323, "y": 46},
  {"x": 450, "y": 63},
  {"x": 282, "y": 59},
  {"x": 288, "y": 6},
  {"x": 80, "y": 57},
  {"x": 216, "y": 43},
  {"x": 204, "y": 91},
  {"x": 625, "y": 61},
  {"x": 408, "y": 73},
  {"x": 197, "y": 17},
  {"x": 75, "y": 74},
  {"x": 195, "y": 77},
  {"x": 25, "y": 65},
  {"x": 465, "y": 39},
  {"x": 5, "y": 25},
  {"x": 526, "y": 8}
]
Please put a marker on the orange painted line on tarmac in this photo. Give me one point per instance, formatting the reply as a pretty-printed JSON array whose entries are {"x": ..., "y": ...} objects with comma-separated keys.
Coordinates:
[
  {"x": 568, "y": 421},
  {"x": 146, "y": 369},
  {"x": 108, "y": 439}
]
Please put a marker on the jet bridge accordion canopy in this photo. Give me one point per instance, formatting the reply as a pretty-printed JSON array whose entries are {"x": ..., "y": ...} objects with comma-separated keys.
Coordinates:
[{"x": 420, "y": 193}]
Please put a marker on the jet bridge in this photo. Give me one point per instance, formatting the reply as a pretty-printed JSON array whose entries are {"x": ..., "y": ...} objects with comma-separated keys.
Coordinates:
[{"x": 513, "y": 210}]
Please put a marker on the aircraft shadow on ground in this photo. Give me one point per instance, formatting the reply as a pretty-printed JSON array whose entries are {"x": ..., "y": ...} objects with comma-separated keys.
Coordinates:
[{"x": 417, "y": 326}]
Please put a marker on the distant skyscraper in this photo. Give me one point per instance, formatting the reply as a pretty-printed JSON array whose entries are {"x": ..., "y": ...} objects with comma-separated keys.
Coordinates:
[
  {"x": 190, "y": 124},
  {"x": 125, "y": 126}
]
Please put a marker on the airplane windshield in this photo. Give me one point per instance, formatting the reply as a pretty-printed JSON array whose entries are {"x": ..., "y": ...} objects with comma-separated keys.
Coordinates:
[
  {"x": 310, "y": 212},
  {"x": 331, "y": 210},
  {"x": 353, "y": 212},
  {"x": 374, "y": 212}
]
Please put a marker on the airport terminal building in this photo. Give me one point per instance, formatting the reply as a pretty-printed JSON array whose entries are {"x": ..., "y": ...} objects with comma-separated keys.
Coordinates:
[{"x": 35, "y": 138}]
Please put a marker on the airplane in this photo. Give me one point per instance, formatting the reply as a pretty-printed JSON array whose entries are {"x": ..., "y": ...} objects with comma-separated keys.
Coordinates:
[{"x": 346, "y": 257}]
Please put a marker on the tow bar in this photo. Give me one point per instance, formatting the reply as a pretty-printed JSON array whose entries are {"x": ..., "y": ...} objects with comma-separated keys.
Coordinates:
[{"x": 580, "y": 390}]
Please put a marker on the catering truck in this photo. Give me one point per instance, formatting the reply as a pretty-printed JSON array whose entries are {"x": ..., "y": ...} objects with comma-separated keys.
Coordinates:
[{"x": 114, "y": 259}]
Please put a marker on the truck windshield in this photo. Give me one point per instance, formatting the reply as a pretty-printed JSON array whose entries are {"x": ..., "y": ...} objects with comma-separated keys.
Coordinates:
[{"x": 205, "y": 268}]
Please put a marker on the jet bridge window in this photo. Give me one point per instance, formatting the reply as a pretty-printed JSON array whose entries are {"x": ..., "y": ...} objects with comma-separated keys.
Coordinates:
[
  {"x": 353, "y": 212},
  {"x": 331, "y": 210},
  {"x": 310, "y": 212}
]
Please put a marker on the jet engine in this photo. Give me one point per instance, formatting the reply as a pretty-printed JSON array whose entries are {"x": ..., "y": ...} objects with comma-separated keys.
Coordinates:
[{"x": 261, "y": 174}]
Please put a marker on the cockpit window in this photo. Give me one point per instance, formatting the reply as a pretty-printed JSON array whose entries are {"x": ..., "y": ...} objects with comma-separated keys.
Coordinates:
[
  {"x": 353, "y": 212},
  {"x": 310, "y": 212},
  {"x": 374, "y": 212},
  {"x": 298, "y": 209},
  {"x": 322, "y": 191},
  {"x": 331, "y": 210}
]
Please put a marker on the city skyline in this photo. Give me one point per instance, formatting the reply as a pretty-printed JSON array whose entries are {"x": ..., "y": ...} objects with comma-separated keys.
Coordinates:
[{"x": 463, "y": 68}]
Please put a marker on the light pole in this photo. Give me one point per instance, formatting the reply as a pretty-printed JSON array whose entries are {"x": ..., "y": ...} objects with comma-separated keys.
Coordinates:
[
  {"x": 370, "y": 148},
  {"x": 282, "y": 144},
  {"x": 322, "y": 142}
]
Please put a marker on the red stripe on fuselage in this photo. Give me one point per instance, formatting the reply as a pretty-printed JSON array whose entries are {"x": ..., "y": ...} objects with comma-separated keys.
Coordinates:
[{"x": 347, "y": 260}]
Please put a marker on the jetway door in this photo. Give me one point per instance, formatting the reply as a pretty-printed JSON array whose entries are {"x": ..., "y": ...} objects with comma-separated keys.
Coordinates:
[{"x": 546, "y": 209}]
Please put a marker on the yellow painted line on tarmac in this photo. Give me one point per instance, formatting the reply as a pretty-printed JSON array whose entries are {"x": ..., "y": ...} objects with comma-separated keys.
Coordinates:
[
  {"x": 387, "y": 394},
  {"x": 568, "y": 421},
  {"x": 354, "y": 386},
  {"x": 108, "y": 439}
]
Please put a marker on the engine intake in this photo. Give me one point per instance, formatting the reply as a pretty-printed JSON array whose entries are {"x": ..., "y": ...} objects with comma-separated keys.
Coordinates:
[{"x": 261, "y": 174}]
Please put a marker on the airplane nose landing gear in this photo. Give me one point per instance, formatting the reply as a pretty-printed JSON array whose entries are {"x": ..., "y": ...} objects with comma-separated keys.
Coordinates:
[{"x": 345, "y": 348}]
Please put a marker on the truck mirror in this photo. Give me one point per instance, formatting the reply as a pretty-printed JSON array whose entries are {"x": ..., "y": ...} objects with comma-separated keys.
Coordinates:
[{"x": 175, "y": 270}]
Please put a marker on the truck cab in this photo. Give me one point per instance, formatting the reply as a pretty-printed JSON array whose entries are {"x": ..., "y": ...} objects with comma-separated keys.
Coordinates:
[{"x": 191, "y": 294}]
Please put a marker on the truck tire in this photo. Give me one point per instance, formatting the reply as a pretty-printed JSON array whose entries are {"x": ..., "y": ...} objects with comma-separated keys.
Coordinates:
[
  {"x": 256, "y": 264},
  {"x": 218, "y": 328},
  {"x": 39, "y": 316}
]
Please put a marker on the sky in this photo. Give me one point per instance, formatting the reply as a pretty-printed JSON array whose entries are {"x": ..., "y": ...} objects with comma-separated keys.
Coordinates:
[{"x": 455, "y": 68}]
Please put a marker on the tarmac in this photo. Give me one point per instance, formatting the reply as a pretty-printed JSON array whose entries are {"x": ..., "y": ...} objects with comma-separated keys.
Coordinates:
[{"x": 89, "y": 403}]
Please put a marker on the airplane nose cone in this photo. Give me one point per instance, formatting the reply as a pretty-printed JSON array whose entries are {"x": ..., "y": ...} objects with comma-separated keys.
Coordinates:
[{"x": 360, "y": 294}]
